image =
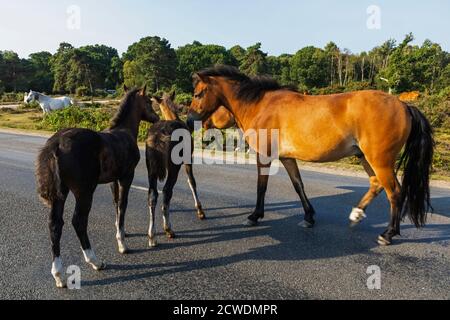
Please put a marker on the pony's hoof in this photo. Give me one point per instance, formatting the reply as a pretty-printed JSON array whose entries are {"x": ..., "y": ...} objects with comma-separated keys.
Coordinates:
[
  {"x": 357, "y": 216},
  {"x": 170, "y": 234},
  {"x": 99, "y": 267},
  {"x": 382, "y": 241},
  {"x": 201, "y": 215},
  {"x": 60, "y": 284},
  {"x": 251, "y": 223},
  {"x": 123, "y": 249},
  {"x": 307, "y": 225},
  {"x": 152, "y": 243}
]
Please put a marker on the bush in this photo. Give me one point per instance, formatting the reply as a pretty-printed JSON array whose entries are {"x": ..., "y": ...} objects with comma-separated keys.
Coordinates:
[
  {"x": 12, "y": 97},
  {"x": 183, "y": 99},
  {"x": 100, "y": 93},
  {"x": 88, "y": 118},
  {"x": 76, "y": 117},
  {"x": 82, "y": 91},
  {"x": 437, "y": 108}
]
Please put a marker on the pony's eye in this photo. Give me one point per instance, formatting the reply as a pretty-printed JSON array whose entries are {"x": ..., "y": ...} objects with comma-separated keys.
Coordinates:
[{"x": 199, "y": 95}]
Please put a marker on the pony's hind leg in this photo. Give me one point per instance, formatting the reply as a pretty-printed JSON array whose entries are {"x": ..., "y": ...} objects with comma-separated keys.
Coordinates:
[
  {"x": 56, "y": 223},
  {"x": 389, "y": 181},
  {"x": 124, "y": 186},
  {"x": 152, "y": 201},
  {"x": 80, "y": 224},
  {"x": 358, "y": 213},
  {"x": 294, "y": 173},
  {"x": 193, "y": 185},
  {"x": 167, "y": 197}
]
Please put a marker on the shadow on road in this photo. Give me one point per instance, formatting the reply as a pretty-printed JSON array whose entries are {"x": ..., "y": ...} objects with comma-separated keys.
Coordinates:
[{"x": 331, "y": 238}]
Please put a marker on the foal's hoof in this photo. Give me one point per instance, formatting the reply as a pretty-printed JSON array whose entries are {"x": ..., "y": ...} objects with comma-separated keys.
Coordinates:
[
  {"x": 101, "y": 267},
  {"x": 152, "y": 243},
  {"x": 60, "y": 284},
  {"x": 251, "y": 223},
  {"x": 382, "y": 241},
  {"x": 170, "y": 234},
  {"x": 123, "y": 249},
  {"x": 307, "y": 225},
  {"x": 201, "y": 215}
]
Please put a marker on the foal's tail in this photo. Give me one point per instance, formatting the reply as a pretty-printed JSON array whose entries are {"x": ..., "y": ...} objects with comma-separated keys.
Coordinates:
[
  {"x": 417, "y": 160},
  {"x": 157, "y": 154},
  {"x": 48, "y": 180}
]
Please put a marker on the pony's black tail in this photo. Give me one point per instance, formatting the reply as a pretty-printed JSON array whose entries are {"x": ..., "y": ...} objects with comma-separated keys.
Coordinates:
[
  {"x": 417, "y": 160},
  {"x": 48, "y": 179}
]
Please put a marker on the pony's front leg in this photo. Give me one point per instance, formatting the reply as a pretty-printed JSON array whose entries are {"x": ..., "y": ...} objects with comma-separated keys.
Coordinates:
[
  {"x": 124, "y": 190},
  {"x": 296, "y": 179},
  {"x": 152, "y": 201},
  {"x": 263, "y": 180}
]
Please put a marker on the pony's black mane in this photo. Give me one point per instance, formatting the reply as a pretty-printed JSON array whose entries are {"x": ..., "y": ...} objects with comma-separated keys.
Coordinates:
[
  {"x": 124, "y": 109},
  {"x": 249, "y": 89}
]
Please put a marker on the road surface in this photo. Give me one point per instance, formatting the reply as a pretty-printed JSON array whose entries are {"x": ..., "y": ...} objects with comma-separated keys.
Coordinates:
[{"x": 220, "y": 258}]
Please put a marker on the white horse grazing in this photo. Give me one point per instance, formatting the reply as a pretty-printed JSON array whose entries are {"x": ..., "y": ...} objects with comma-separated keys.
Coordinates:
[{"x": 47, "y": 103}]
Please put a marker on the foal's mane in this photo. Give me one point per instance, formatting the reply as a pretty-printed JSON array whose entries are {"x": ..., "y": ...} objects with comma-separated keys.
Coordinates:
[
  {"x": 249, "y": 89},
  {"x": 124, "y": 109}
]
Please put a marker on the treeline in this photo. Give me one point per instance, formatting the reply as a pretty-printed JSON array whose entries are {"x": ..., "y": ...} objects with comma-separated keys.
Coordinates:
[{"x": 392, "y": 66}]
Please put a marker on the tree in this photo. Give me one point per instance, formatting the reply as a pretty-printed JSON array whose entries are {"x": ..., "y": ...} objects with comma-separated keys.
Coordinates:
[
  {"x": 196, "y": 56},
  {"x": 154, "y": 60},
  {"x": 280, "y": 68},
  {"x": 238, "y": 54},
  {"x": 59, "y": 66},
  {"x": 309, "y": 68},
  {"x": 412, "y": 68},
  {"x": 15, "y": 72},
  {"x": 42, "y": 76},
  {"x": 255, "y": 61}
]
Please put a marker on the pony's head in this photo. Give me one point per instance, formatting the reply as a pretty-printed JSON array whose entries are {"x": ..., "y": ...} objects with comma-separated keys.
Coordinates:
[
  {"x": 144, "y": 105},
  {"x": 32, "y": 96},
  {"x": 206, "y": 98},
  {"x": 168, "y": 107}
]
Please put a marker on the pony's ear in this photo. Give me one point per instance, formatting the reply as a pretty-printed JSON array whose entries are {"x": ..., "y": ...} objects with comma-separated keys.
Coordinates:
[
  {"x": 143, "y": 91},
  {"x": 156, "y": 99},
  {"x": 125, "y": 88},
  {"x": 173, "y": 95},
  {"x": 205, "y": 79}
]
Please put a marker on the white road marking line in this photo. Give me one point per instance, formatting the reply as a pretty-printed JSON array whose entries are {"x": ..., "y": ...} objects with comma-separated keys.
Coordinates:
[{"x": 143, "y": 189}]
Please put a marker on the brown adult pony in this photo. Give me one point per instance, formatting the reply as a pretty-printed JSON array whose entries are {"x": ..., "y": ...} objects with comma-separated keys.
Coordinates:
[{"x": 372, "y": 125}]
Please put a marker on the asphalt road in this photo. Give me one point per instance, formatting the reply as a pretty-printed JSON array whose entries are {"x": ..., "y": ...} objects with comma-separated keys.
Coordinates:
[{"x": 220, "y": 258}]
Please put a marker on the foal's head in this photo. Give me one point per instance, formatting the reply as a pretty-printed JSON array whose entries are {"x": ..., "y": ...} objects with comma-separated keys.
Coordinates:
[
  {"x": 136, "y": 106},
  {"x": 169, "y": 108}
]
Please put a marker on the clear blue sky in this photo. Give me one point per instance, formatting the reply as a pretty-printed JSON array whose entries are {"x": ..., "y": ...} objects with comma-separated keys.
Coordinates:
[{"x": 282, "y": 26}]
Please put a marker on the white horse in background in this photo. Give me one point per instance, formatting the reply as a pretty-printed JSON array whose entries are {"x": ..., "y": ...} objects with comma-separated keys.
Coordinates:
[{"x": 47, "y": 103}]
